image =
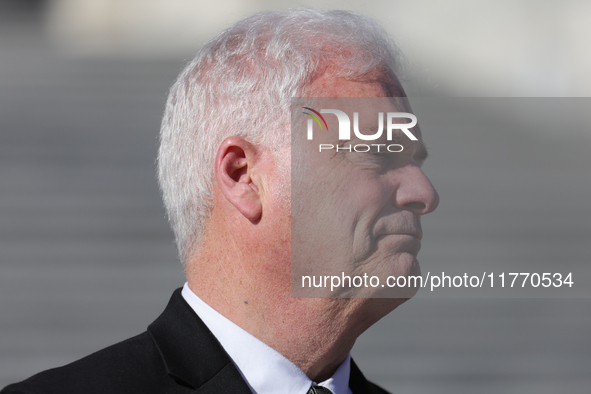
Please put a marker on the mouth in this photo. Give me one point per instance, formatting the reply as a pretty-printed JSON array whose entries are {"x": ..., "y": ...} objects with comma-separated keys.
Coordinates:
[
  {"x": 409, "y": 242},
  {"x": 415, "y": 234}
]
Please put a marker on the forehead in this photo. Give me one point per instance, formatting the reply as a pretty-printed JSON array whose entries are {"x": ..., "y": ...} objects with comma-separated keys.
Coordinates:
[
  {"x": 373, "y": 84},
  {"x": 327, "y": 86},
  {"x": 376, "y": 84}
]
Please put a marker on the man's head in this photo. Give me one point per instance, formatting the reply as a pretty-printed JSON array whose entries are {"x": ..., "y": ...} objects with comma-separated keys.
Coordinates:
[
  {"x": 226, "y": 173},
  {"x": 241, "y": 83}
]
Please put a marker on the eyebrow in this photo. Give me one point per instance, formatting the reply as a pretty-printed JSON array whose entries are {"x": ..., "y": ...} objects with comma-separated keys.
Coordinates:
[{"x": 420, "y": 155}]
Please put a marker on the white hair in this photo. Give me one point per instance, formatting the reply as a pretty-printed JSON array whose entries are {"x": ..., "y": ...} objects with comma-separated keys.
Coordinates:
[{"x": 241, "y": 84}]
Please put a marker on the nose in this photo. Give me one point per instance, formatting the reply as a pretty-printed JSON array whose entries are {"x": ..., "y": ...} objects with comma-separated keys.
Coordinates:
[{"x": 415, "y": 192}]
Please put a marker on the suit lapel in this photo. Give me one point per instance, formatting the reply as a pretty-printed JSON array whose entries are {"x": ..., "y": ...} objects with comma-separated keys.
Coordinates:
[
  {"x": 358, "y": 383},
  {"x": 193, "y": 357},
  {"x": 191, "y": 353},
  {"x": 227, "y": 380}
]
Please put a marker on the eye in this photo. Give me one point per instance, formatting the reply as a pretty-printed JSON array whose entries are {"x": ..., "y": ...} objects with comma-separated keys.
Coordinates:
[
  {"x": 380, "y": 154},
  {"x": 384, "y": 151},
  {"x": 383, "y": 158},
  {"x": 377, "y": 156}
]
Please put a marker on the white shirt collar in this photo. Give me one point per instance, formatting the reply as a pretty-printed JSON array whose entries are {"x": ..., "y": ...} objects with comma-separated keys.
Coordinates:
[{"x": 264, "y": 369}]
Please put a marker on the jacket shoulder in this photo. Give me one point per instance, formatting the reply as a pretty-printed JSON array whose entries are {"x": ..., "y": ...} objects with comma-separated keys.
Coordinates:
[
  {"x": 377, "y": 389},
  {"x": 360, "y": 385},
  {"x": 131, "y": 366}
]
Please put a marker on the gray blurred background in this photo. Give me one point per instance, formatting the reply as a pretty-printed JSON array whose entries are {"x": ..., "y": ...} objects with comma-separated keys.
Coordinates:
[{"x": 86, "y": 255}]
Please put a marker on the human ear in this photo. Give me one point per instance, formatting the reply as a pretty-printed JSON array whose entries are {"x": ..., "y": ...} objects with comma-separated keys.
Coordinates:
[{"x": 234, "y": 168}]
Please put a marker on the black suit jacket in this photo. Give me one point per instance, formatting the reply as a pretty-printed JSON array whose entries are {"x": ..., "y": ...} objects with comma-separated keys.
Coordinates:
[{"x": 177, "y": 354}]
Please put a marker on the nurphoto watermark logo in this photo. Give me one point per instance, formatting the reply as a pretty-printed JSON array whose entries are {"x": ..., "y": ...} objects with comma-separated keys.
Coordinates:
[{"x": 345, "y": 130}]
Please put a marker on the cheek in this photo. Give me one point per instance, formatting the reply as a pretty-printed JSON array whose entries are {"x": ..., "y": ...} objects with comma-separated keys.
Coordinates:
[
  {"x": 275, "y": 244},
  {"x": 366, "y": 196},
  {"x": 367, "y": 200},
  {"x": 282, "y": 191}
]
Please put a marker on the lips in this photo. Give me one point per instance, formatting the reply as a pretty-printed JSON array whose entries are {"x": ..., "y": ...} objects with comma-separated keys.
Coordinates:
[
  {"x": 401, "y": 242},
  {"x": 416, "y": 234},
  {"x": 400, "y": 224}
]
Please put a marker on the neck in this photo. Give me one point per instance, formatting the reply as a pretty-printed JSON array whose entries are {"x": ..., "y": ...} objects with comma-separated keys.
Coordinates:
[
  {"x": 249, "y": 283},
  {"x": 295, "y": 328}
]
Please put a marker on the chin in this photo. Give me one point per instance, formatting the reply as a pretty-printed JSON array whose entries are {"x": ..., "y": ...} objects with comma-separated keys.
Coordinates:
[
  {"x": 415, "y": 267},
  {"x": 404, "y": 264}
]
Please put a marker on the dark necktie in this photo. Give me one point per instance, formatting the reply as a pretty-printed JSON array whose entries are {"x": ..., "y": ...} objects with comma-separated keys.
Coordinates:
[{"x": 319, "y": 390}]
